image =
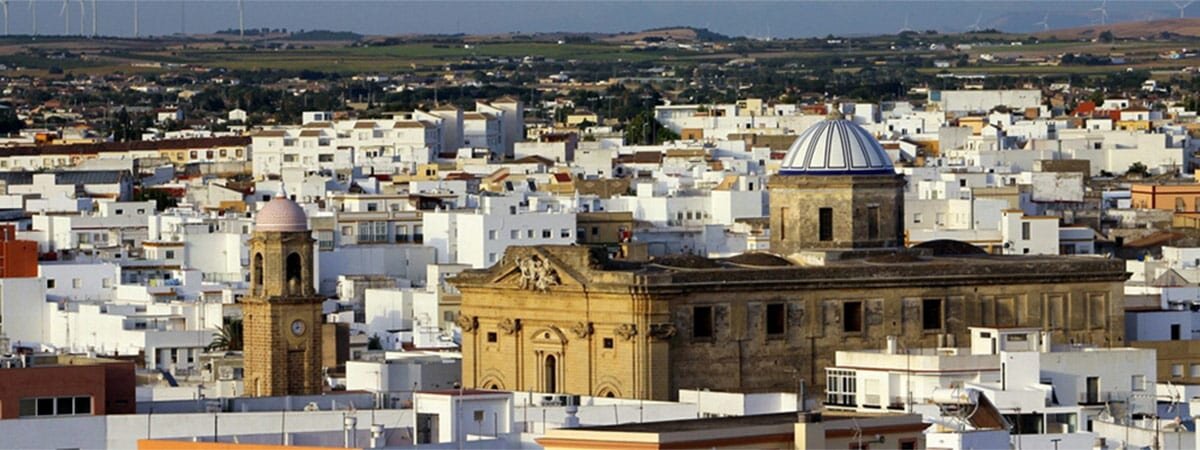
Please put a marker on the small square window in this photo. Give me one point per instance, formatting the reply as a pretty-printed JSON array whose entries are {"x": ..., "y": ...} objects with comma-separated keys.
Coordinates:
[
  {"x": 608, "y": 342},
  {"x": 546, "y": 233},
  {"x": 45, "y": 406},
  {"x": 65, "y": 406},
  {"x": 49, "y": 283},
  {"x": 514, "y": 234},
  {"x": 491, "y": 336}
]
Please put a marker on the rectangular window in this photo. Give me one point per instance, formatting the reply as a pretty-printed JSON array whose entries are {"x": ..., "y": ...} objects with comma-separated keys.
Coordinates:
[
  {"x": 702, "y": 322},
  {"x": 872, "y": 222},
  {"x": 776, "y": 319},
  {"x": 783, "y": 220},
  {"x": 514, "y": 234},
  {"x": 840, "y": 387},
  {"x": 170, "y": 254},
  {"x": 76, "y": 283},
  {"x": 64, "y": 405},
  {"x": 825, "y": 223},
  {"x": 546, "y": 234},
  {"x": 49, "y": 283},
  {"x": 852, "y": 317},
  {"x": 1025, "y": 231},
  {"x": 491, "y": 336},
  {"x": 491, "y": 235},
  {"x": 372, "y": 207},
  {"x": 931, "y": 314},
  {"x": 1177, "y": 370},
  {"x": 1176, "y": 333},
  {"x": 1138, "y": 382},
  {"x": 608, "y": 342},
  {"x": 28, "y": 407},
  {"x": 45, "y": 406},
  {"x": 564, "y": 233}
]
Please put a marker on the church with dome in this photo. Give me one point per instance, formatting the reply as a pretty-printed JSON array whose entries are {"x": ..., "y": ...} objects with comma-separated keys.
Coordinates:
[
  {"x": 281, "y": 315},
  {"x": 568, "y": 319}
]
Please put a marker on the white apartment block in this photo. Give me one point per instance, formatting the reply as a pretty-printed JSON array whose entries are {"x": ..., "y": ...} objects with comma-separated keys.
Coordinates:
[{"x": 478, "y": 237}]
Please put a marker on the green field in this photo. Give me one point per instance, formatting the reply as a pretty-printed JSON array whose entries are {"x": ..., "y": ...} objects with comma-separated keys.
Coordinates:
[{"x": 392, "y": 58}]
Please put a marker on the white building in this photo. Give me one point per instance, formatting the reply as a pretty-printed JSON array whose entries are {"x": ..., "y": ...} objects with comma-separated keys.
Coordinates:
[
  {"x": 1048, "y": 391},
  {"x": 478, "y": 237}
]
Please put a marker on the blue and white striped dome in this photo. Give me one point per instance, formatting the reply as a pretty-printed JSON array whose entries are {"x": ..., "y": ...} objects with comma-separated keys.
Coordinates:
[{"x": 836, "y": 147}]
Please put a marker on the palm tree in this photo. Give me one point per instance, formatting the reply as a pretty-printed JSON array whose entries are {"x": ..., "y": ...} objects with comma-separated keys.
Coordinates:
[{"x": 228, "y": 337}]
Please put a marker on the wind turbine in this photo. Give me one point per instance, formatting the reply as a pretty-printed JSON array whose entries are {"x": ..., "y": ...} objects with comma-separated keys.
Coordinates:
[
  {"x": 241, "y": 19},
  {"x": 33, "y": 10},
  {"x": 65, "y": 12},
  {"x": 1044, "y": 24},
  {"x": 1103, "y": 10},
  {"x": 975, "y": 26},
  {"x": 93, "y": 18},
  {"x": 82, "y": 13},
  {"x": 906, "y": 28},
  {"x": 1183, "y": 6},
  {"x": 4, "y": 5},
  {"x": 135, "y": 19}
]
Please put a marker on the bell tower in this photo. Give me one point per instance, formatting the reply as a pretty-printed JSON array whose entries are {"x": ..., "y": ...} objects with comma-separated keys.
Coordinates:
[{"x": 282, "y": 314}]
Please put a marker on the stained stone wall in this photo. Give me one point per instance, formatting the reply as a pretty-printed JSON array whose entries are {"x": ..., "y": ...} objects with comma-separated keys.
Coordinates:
[
  {"x": 627, "y": 329},
  {"x": 797, "y": 199}
]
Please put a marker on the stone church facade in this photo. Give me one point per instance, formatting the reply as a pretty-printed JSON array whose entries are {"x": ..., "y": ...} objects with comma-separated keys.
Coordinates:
[{"x": 567, "y": 319}]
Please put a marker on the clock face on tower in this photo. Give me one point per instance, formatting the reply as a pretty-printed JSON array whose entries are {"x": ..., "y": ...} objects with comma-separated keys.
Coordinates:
[{"x": 298, "y": 327}]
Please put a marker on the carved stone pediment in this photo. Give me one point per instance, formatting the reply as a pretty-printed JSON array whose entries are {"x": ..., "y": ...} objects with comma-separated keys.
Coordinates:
[
  {"x": 581, "y": 330},
  {"x": 468, "y": 324},
  {"x": 536, "y": 274},
  {"x": 626, "y": 331},
  {"x": 662, "y": 331},
  {"x": 509, "y": 326}
]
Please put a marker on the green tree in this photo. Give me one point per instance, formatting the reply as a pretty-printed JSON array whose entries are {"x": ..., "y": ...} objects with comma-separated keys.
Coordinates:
[
  {"x": 374, "y": 342},
  {"x": 644, "y": 129},
  {"x": 1138, "y": 169},
  {"x": 1107, "y": 36},
  {"x": 162, "y": 199},
  {"x": 228, "y": 337},
  {"x": 9, "y": 122}
]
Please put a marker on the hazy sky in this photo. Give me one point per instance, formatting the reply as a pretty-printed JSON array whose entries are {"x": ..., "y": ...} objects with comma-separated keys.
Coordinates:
[{"x": 748, "y": 18}]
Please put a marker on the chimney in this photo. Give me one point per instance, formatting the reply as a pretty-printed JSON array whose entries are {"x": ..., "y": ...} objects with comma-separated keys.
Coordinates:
[
  {"x": 377, "y": 436},
  {"x": 571, "y": 420},
  {"x": 892, "y": 345},
  {"x": 349, "y": 426}
]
